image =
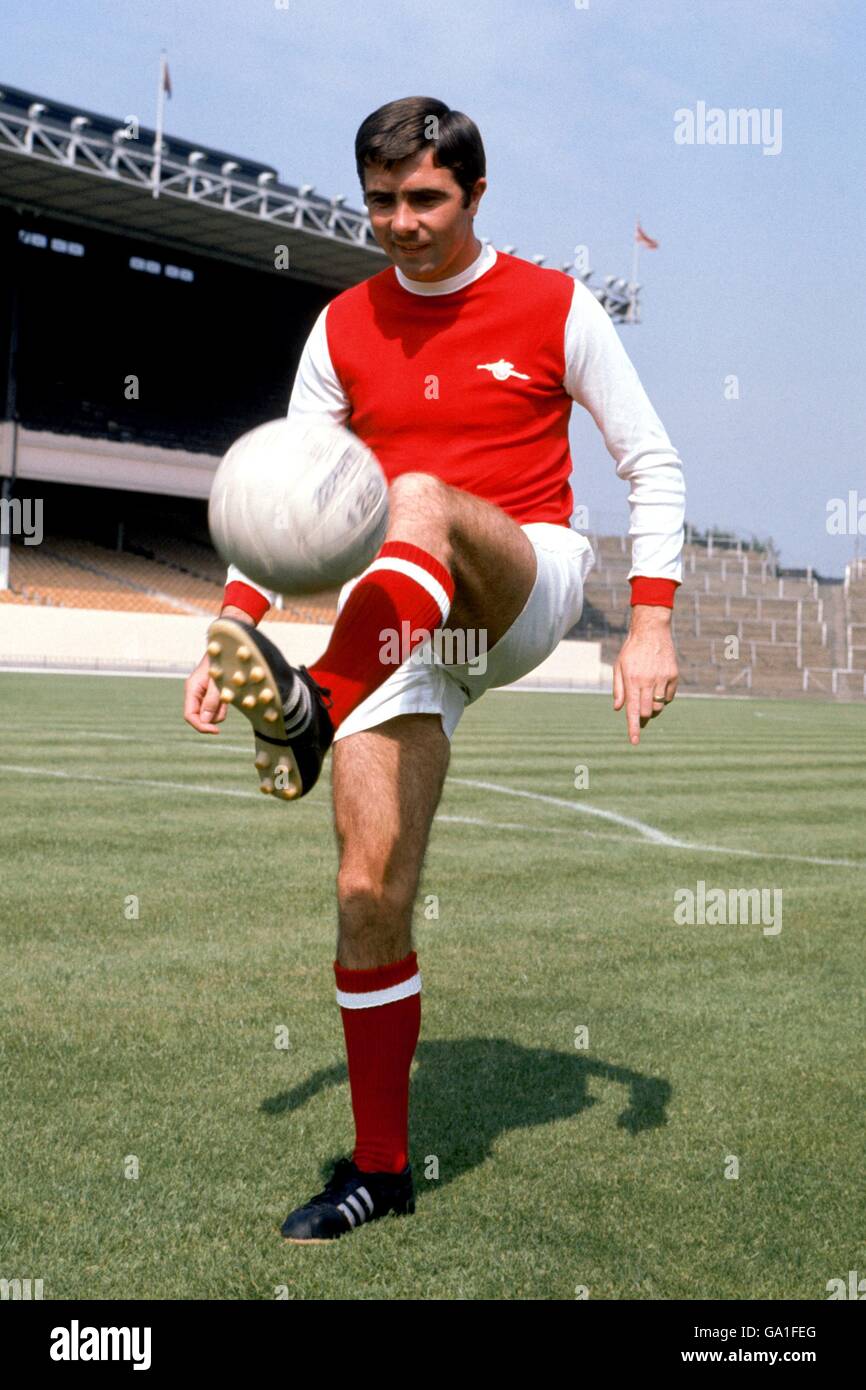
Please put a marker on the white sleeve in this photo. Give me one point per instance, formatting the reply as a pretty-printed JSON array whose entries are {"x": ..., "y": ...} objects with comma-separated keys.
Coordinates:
[
  {"x": 600, "y": 376},
  {"x": 317, "y": 391},
  {"x": 233, "y": 574}
]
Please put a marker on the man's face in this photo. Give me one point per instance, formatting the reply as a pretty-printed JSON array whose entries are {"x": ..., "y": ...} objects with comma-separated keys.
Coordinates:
[{"x": 417, "y": 215}]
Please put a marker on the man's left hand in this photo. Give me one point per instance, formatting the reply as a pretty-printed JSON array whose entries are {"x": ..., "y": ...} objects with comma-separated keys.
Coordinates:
[{"x": 645, "y": 674}]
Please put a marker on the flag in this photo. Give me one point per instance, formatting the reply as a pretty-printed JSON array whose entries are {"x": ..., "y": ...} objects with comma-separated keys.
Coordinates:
[
  {"x": 642, "y": 239},
  {"x": 166, "y": 78}
]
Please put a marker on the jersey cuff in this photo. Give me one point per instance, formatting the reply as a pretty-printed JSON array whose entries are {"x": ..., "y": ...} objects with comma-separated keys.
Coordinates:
[
  {"x": 658, "y": 592},
  {"x": 244, "y": 596}
]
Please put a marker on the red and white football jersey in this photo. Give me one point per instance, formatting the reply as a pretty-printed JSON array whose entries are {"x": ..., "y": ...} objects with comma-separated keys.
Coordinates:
[{"x": 473, "y": 379}]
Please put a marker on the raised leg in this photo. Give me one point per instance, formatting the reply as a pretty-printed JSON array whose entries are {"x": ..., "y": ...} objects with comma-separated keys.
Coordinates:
[
  {"x": 490, "y": 557},
  {"x": 450, "y": 562}
]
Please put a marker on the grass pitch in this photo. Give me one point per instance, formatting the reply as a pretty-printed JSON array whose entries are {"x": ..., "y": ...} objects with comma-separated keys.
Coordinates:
[{"x": 164, "y": 928}]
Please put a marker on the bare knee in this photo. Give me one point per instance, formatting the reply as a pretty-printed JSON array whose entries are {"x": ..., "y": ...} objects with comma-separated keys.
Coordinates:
[
  {"x": 375, "y": 916},
  {"x": 421, "y": 503},
  {"x": 371, "y": 897},
  {"x": 419, "y": 489}
]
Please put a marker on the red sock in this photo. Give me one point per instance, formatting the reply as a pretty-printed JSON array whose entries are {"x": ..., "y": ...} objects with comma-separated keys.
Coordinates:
[
  {"x": 381, "y": 1010},
  {"x": 405, "y": 592}
]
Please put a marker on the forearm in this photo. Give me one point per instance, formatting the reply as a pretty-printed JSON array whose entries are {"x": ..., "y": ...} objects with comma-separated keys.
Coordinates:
[{"x": 657, "y": 520}]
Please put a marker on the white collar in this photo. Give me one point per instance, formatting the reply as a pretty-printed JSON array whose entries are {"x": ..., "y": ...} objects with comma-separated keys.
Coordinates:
[{"x": 482, "y": 263}]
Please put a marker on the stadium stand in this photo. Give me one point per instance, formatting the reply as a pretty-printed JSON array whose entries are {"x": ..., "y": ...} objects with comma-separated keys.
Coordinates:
[
  {"x": 743, "y": 625},
  {"x": 170, "y": 578},
  {"x": 139, "y": 337},
  {"x": 855, "y": 613}
]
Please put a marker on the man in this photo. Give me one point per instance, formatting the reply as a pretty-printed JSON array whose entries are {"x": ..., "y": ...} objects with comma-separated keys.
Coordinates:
[{"x": 458, "y": 366}]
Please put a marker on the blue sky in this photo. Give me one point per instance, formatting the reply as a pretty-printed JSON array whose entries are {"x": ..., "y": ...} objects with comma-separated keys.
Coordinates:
[{"x": 759, "y": 270}]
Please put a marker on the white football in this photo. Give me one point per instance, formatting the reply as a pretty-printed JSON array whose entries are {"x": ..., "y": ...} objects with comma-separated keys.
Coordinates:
[{"x": 299, "y": 506}]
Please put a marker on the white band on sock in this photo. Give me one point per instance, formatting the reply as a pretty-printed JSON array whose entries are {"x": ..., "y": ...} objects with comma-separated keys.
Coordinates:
[
  {"x": 372, "y": 998},
  {"x": 416, "y": 572}
]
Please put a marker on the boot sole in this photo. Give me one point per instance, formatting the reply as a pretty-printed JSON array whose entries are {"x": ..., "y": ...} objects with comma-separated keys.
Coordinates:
[{"x": 245, "y": 680}]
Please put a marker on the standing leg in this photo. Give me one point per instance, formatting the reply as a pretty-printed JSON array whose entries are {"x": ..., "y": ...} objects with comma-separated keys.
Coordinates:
[{"x": 387, "y": 783}]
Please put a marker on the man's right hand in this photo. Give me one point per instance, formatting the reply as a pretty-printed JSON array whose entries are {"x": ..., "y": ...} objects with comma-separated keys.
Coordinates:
[{"x": 202, "y": 706}]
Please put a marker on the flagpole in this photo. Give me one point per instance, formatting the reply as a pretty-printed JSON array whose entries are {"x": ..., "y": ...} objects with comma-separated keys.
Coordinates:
[
  {"x": 160, "y": 118},
  {"x": 634, "y": 264}
]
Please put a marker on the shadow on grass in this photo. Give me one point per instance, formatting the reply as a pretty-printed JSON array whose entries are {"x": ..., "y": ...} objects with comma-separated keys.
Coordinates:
[{"x": 466, "y": 1092}]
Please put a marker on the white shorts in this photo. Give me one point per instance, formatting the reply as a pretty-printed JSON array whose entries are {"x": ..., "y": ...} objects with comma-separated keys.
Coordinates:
[{"x": 425, "y": 684}]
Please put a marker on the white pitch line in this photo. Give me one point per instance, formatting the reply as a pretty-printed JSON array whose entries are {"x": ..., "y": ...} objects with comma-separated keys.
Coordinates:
[
  {"x": 230, "y": 791},
  {"x": 75, "y": 734},
  {"x": 771, "y": 854},
  {"x": 649, "y": 832},
  {"x": 59, "y": 731},
  {"x": 151, "y": 739},
  {"x": 512, "y": 825},
  {"x": 128, "y": 781},
  {"x": 653, "y": 836},
  {"x": 99, "y": 733}
]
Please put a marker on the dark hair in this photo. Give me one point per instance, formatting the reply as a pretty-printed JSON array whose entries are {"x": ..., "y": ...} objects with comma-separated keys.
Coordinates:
[{"x": 401, "y": 128}]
